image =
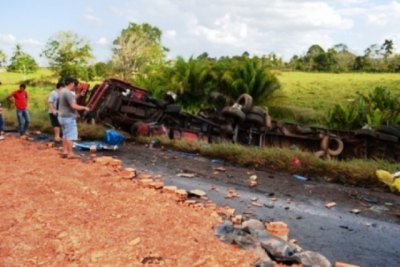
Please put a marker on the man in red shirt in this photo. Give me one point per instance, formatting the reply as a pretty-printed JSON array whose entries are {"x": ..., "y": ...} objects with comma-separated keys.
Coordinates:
[{"x": 20, "y": 99}]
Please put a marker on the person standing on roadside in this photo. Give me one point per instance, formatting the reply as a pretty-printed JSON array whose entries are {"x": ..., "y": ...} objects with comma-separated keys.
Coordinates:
[
  {"x": 1, "y": 123},
  {"x": 53, "y": 111},
  {"x": 67, "y": 110},
  {"x": 20, "y": 99}
]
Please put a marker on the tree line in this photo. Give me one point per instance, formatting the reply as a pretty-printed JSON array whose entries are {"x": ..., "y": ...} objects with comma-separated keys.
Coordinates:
[{"x": 339, "y": 58}]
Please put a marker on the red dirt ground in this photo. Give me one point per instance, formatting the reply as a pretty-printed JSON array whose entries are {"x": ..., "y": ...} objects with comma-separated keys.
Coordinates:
[{"x": 58, "y": 212}]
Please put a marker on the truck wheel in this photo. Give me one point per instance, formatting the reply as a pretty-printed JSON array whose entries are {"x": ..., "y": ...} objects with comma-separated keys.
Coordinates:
[
  {"x": 332, "y": 145},
  {"x": 172, "y": 109},
  {"x": 234, "y": 113},
  {"x": 389, "y": 130},
  {"x": 365, "y": 133},
  {"x": 255, "y": 118},
  {"x": 246, "y": 101},
  {"x": 335, "y": 146}
]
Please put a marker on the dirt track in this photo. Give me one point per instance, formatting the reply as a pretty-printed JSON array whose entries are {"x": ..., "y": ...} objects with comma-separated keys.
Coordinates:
[{"x": 57, "y": 212}]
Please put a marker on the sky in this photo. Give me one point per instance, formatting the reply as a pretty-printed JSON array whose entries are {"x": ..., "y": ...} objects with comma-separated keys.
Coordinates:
[{"x": 191, "y": 27}]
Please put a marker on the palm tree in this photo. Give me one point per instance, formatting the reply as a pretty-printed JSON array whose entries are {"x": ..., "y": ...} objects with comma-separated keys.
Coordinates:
[
  {"x": 249, "y": 76},
  {"x": 192, "y": 80}
]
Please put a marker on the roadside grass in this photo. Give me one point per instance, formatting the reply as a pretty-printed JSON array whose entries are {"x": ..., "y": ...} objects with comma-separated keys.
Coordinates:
[{"x": 355, "y": 172}]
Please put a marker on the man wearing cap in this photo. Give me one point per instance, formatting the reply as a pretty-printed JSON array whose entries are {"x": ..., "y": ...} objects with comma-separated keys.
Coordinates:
[{"x": 67, "y": 112}]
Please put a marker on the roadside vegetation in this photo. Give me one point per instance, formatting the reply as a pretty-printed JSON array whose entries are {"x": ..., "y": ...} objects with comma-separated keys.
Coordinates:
[
  {"x": 355, "y": 172},
  {"x": 323, "y": 87}
]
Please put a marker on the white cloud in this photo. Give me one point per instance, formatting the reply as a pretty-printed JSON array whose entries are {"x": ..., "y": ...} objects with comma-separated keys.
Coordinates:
[
  {"x": 384, "y": 14},
  {"x": 170, "y": 33},
  {"x": 90, "y": 17},
  {"x": 31, "y": 42},
  {"x": 224, "y": 31},
  {"x": 103, "y": 41},
  {"x": 8, "y": 39}
]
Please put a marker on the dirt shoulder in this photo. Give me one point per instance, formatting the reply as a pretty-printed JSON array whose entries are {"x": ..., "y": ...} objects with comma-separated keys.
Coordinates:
[{"x": 57, "y": 212}]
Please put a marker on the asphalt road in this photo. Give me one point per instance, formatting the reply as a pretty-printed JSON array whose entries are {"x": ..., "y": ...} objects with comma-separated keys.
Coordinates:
[{"x": 370, "y": 238}]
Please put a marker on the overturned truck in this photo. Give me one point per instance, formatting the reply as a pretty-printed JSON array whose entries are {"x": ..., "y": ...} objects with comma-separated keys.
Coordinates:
[{"x": 125, "y": 106}]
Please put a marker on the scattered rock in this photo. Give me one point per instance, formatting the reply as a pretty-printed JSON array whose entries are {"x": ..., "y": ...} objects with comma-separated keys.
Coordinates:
[
  {"x": 253, "y": 177},
  {"x": 220, "y": 169},
  {"x": 181, "y": 194},
  {"x": 231, "y": 193},
  {"x": 185, "y": 174},
  {"x": 197, "y": 193},
  {"x": 279, "y": 229},
  {"x": 330, "y": 205},
  {"x": 134, "y": 242},
  {"x": 311, "y": 258},
  {"x": 342, "y": 264},
  {"x": 256, "y": 204},
  {"x": 104, "y": 160},
  {"x": 355, "y": 211},
  {"x": 252, "y": 183},
  {"x": 254, "y": 224},
  {"x": 190, "y": 202},
  {"x": 237, "y": 219},
  {"x": 145, "y": 176},
  {"x": 156, "y": 185},
  {"x": 128, "y": 173},
  {"x": 169, "y": 189},
  {"x": 145, "y": 182}
]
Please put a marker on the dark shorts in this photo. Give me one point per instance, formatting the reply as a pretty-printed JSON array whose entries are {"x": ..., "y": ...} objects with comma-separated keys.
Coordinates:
[
  {"x": 54, "y": 120},
  {"x": 1, "y": 123}
]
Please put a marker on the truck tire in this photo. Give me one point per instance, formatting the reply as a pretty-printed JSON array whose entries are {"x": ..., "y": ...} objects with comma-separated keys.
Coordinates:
[
  {"x": 172, "y": 109},
  {"x": 389, "y": 130},
  {"x": 256, "y": 119},
  {"x": 246, "y": 101},
  {"x": 387, "y": 137},
  {"x": 337, "y": 148},
  {"x": 365, "y": 133},
  {"x": 332, "y": 145},
  {"x": 235, "y": 113}
]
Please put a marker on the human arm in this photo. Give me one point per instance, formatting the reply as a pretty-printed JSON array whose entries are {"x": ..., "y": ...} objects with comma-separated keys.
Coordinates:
[
  {"x": 52, "y": 108},
  {"x": 53, "y": 98},
  {"x": 79, "y": 107},
  {"x": 72, "y": 102},
  {"x": 10, "y": 99}
]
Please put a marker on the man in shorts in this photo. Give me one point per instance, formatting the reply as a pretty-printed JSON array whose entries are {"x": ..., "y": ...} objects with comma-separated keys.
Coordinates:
[
  {"x": 67, "y": 113},
  {"x": 53, "y": 111}
]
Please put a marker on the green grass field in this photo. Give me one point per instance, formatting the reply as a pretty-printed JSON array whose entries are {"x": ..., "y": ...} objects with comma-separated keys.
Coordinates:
[{"x": 305, "y": 95}]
